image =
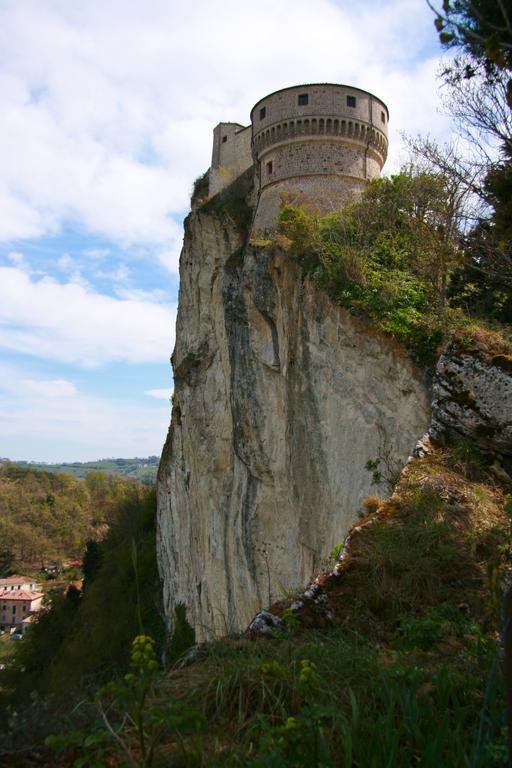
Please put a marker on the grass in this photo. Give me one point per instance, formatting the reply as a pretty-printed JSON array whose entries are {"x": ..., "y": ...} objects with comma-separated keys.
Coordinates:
[{"x": 407, "y": 673}]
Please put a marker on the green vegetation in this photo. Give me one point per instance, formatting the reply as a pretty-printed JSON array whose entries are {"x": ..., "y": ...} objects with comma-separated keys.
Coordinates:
[
  {"x": 480, "y": 28},
  {"x": 83, "y": 640},
  {"x": 231, "y": 202},
  {"x": 407, "y": 674},
  {"x": 136, "y": 718},
  {"x": 388, "y": 258},
  {"x": 143, "y": 470},
  {"x": 200, "y": 188},
  {"x": 48, "y": 516}
]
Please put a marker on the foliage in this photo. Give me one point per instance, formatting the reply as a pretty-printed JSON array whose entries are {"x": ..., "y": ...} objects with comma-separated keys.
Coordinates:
[
  {"x": 388, "y": 257},
  {"x": 183, "y": 636},
  {"x": 137, "y": 720},
  {"x": 231, "y": 203},
  {"x": 480, "y": 286},
  {"x": 406, "y": 676},
  {"x": 49, "y": 516},
  {"x": 482, "y": 29},
  {"x": 401, "y": 258},
  {"x": 77, "y": 643},
  {"x": 200, "y": 188},
  {"x": 142, "y": 469},
  {"x": 7, "y": 561},
  {"x": 479, "y": 86}
]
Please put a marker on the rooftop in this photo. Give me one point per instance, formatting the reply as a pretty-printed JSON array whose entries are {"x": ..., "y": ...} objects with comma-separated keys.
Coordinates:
[
  {"x": 16, "y": 579},
  {"x": 20, "y": 594}
]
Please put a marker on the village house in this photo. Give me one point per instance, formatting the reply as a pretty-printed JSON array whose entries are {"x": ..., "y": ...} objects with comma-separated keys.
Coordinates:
[
  {"x": 20, "y": 597},
  {"x": 17, "y": 582}
]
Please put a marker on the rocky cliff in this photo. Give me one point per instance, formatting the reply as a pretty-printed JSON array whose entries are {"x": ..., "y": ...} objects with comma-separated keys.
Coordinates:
[{"x": 281, "y": 398}]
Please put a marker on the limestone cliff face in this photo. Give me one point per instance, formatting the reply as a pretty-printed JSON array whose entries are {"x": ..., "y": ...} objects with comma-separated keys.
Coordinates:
[
  {"x": 281, "y": 398},
  {"x": 473, "y": 398}
]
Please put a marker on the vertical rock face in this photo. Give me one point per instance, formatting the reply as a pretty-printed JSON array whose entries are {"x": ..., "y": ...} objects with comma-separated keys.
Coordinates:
[
  {"x": 281, "y": 398},
  {"x": 473, "y": 398}
]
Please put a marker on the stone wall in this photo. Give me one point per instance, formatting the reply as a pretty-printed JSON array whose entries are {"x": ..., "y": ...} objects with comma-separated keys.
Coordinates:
[
  {"x": 322, "y": 172},
  {"x": 231, "y": 155},
  {"x": 321, "y": 130},
  {"x": 323, "y": 99},
  {"x": 334, "y": 133},
  {"x": 323, "y": 193},
  {"x": 303, "y": 158}
]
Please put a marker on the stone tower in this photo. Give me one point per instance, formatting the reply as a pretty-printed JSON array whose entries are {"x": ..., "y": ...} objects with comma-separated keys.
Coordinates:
[{"x": 318, "y": 144}]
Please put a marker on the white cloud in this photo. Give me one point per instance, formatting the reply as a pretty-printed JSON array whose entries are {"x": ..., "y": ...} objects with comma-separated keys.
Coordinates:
[
  {"x": 14, "y": 380},
  {"x": 71, "y": 425},
  {"x": 170, "y": 258},
  {"x": 48, "y": 388},
  {"x": 65, "y": 263},
  {"x": 160, "y": 394},
  {"x": 107, "y": 108},
  {"x": 16, "y": 258},
  {"x": 70, "y": 322},
  {"x": 96, "y": 253}
]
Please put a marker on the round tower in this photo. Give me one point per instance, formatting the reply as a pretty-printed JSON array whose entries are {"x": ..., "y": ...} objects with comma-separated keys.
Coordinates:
[{"x": 318, "y": 144}]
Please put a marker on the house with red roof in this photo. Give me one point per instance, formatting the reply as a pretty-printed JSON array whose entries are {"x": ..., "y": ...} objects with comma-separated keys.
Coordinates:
[
  {"x": 20, "y": 597},
  {"x": 17, "y": 582}
]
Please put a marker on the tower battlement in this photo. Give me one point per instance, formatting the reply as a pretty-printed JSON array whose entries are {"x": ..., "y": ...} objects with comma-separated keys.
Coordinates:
[{"x": 318, "y": 143}]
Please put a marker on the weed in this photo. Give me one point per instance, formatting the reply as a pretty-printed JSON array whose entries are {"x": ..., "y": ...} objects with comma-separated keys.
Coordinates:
[
  {"x": 464, "y": 456},
  {"x": 126, "y": 716}
]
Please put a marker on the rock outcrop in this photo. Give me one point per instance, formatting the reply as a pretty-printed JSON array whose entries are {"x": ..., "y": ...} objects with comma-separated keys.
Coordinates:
[
  {"x": 281, "y": 398},
  {"x": 473, "y": 398}
]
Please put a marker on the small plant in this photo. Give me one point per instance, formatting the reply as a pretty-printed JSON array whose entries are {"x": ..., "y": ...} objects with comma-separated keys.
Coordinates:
[
  {"x": 464, "y": 456},
  {"x": 384, "y": 469},
  {"x": 200, "y": 188},
  {"x": 372, "y": 465},
  {"x": 335, "y": 552},
  {"x": 291, "y": 621},
  {"x": 127, "y": 717},
  {"x": 300, "y": 741}
]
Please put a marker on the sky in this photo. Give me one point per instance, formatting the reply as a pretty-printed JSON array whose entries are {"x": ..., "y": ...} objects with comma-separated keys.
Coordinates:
[{"x": 107, "y": 114}]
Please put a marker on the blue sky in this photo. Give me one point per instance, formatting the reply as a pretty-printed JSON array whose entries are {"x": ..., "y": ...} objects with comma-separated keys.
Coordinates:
[{"x": 107, "y": 111}]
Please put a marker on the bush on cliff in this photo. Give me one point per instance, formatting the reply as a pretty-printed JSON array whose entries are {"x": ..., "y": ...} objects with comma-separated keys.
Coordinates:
[{"x": 389, "y": 257}]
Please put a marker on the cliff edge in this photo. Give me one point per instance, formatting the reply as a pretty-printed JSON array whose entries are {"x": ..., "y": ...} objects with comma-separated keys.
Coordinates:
[{"x": 281, "y": 399}]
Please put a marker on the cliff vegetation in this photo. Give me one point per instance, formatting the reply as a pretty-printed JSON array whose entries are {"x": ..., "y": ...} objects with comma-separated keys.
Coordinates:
[
  {"x": 396, "y": 258},
  {"x": 403, "y": 669}
]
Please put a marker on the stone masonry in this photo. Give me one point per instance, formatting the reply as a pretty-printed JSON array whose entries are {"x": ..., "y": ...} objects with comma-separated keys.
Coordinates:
[{"x": 314, "y": 144}]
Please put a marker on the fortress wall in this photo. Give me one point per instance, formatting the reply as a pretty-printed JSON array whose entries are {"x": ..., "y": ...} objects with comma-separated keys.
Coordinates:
[
  {"x": 319, "y": 143},
  {"x": 323, "y": 193},
  {"x": 324, "y": 99},
  {"x": 231, "y": 155},
  {"x": 303, "y": 158}
]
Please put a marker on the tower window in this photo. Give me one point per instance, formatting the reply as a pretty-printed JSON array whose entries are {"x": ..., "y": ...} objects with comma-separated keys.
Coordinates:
[
  {"x": 224, "y": 139},
  {"x": 383, "y": 117},
  {"x": 303, "y": 99},
  {"x": 269, "y": 168},
  {"x": 351, "y": 101},
  {"x": 263, "y": 112}
]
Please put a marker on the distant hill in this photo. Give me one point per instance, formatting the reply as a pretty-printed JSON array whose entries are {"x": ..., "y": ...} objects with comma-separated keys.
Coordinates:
[
  {"x": 143, "y": 470},
  {"x": 50, "y": 515}
]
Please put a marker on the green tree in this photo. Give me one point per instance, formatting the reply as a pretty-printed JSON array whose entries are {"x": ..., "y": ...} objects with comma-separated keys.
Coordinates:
[
  {"x": 6, "y": 562},
  {"x": 481, "y": 29}
]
